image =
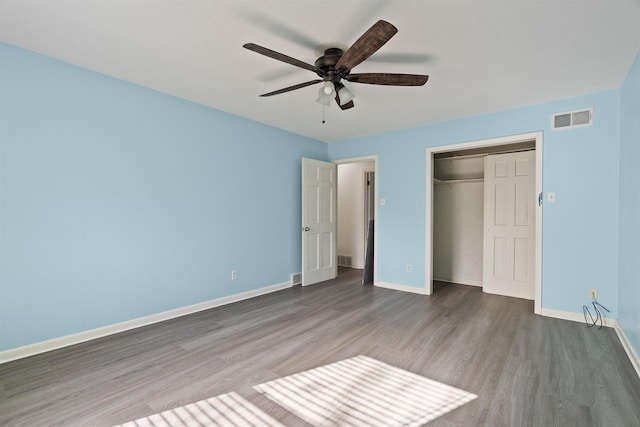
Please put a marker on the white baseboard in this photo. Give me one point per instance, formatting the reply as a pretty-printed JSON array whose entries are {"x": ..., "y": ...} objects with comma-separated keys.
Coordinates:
[
  {"x": 574, "y": 317},
  {"x": 56, "y": 343},
  {"x": 403, "y": 288},
  {"x": 628, "y": 348},
  {"x": 460, "y": 281}
]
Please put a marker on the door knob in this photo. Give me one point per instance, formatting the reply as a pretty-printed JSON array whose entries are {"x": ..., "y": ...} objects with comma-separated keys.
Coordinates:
[{"x": 305, "y": 229}]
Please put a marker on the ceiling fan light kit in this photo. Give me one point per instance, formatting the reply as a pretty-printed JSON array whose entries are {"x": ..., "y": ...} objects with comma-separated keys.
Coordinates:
[
  {"x": 336, "y": 64},
  {"x": 323, "y": 98},
  {"x": 344, "y": 95},
  {"x": 328, "y": 87}
]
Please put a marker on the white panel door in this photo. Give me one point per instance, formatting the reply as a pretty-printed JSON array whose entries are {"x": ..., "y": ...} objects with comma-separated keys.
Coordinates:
[
  {"x": 319, "y": 185},
  {"x": 509, "y": 225}
]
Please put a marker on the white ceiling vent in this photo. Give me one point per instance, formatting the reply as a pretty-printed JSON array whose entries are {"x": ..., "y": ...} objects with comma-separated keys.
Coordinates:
[{"x": 572, "y": 119}]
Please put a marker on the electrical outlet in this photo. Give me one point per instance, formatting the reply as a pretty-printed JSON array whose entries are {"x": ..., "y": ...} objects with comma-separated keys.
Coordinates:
[
  {"x": 593, "y": 293},
  {"x": 409, "y": 268},
  {"x": 234, "y": 274}
]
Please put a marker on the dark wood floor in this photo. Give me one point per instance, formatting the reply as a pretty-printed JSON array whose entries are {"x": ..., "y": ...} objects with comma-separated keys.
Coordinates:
[{"x": 527, "y": 370}]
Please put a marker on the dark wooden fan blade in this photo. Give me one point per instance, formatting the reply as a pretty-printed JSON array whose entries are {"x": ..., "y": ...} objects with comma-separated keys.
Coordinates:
[
  {"x": 388, "y": 79},
  {"x": 368, "y": 43},
  {"x": 346, "y": 106},
  {"x": 279, "y": 56},
  {"x": 294, "y": 87}
]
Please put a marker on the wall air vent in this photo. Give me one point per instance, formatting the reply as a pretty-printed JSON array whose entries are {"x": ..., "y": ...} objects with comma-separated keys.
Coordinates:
[
  {"x": 345, "y": 260},
  {"x": 572, "y": 119},
  {"x": 296, "y": 279}
]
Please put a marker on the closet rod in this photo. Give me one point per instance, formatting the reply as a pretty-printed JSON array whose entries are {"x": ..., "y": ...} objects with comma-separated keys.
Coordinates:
[{"x": 464, "y": 156}]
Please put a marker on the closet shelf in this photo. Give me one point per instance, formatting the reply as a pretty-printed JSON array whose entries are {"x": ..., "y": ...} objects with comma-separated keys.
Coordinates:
[{"x": 456, "y": 181}]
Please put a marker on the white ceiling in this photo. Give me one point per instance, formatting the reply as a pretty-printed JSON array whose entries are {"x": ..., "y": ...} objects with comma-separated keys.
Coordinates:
[{"x": 481, "y": 55}]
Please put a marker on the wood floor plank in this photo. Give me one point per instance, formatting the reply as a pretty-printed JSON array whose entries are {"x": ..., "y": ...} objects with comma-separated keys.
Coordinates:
[{"x": 527, "y": 370}]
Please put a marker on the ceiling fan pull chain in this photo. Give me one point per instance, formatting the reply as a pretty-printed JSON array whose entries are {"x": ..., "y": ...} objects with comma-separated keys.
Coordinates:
[{"x": 323, "y": 106}]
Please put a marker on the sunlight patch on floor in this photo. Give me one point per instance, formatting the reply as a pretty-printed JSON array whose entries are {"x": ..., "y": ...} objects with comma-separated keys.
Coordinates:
[
  {"x": 362, "y": 391},
  {"x": 225, "y": 410}
]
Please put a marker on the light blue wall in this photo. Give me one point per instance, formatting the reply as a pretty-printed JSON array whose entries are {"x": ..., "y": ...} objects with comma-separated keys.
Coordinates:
[
  {"x": 580, "y": 231},
  {"x": 629, "y": 292},
  {"x": 119, "y": 202}
]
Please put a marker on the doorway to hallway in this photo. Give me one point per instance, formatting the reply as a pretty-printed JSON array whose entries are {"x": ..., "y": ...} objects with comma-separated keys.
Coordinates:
[{"x": 357, "y": 196}]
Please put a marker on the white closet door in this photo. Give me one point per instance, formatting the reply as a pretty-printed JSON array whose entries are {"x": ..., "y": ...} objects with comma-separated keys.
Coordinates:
[{"x": 509, "y": 225}]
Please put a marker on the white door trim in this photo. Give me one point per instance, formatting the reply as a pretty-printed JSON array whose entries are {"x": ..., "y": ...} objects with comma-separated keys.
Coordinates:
[
  {"x": 537, "y": 136},
  {"x": 373, "y": 158}
]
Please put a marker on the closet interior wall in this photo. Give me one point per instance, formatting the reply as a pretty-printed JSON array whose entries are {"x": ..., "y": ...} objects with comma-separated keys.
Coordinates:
[{"x": 458, "y": 217}]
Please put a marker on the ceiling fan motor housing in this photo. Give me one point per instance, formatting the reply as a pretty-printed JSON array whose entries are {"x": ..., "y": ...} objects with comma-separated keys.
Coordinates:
[{"x": 325, "y": 65}]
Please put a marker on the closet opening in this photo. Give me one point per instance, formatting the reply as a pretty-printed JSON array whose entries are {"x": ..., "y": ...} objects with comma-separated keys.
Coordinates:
[{"x": 483, "y": 226}]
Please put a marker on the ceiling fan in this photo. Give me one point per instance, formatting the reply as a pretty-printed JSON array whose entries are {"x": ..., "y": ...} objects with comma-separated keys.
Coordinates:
[{"x": 336, "y": 65}]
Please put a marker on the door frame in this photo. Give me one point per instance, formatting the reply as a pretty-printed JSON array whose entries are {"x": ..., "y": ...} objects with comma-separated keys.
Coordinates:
[
  {"x": 365, "y": 190},
  {"x": 373, "y": 158},
  {"x": 492, "y": 142}
]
